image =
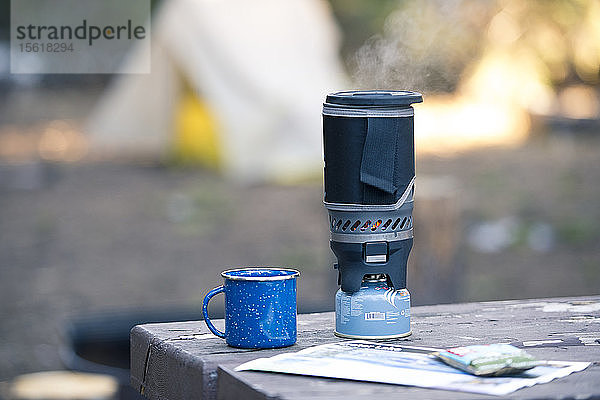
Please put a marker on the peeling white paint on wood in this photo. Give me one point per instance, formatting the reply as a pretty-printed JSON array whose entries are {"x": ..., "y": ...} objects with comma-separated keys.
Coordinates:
[{"x": 572, "y": 307}]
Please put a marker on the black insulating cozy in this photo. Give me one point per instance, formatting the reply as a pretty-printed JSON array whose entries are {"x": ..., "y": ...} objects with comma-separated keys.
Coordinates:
[{"x": 368, "y": 145}]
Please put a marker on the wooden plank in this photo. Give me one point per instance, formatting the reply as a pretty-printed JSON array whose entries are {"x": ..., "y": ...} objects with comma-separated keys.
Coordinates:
[{"x": 180, "y": 360}]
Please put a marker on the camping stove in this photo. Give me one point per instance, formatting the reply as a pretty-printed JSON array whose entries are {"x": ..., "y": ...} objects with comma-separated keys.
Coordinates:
[{"x": 369, "y": 184}]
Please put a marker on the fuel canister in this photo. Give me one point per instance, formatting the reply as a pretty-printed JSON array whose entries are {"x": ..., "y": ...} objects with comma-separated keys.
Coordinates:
[{"x": 376, "y": 311}]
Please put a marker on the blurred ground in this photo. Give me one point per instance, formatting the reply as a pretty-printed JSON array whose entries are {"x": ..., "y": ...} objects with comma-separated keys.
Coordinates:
[
  {"x": 529, "y": 218},
  {"x": 123, "y": 236}
]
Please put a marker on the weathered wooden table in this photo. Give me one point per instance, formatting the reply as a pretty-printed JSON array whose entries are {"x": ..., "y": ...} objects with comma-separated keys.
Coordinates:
[{"x": 183, "y": 360}]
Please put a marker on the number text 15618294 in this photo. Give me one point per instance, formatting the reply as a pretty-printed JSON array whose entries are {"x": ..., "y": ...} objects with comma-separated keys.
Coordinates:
[{"x": 41, "y": 47}]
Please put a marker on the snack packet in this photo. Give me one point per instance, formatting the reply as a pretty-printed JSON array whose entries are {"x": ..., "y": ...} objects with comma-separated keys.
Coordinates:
[{"x": 488, "y": 360}]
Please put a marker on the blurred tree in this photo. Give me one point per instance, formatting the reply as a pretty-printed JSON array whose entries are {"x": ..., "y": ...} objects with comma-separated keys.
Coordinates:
[
  {"x": 545, "y": 55},
  {"x": 564, "y": 35},
  {"x": 359, "y": 20}
]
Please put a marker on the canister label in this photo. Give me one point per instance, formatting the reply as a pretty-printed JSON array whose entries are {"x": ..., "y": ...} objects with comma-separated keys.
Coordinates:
[{"x": 375, "y": 311}]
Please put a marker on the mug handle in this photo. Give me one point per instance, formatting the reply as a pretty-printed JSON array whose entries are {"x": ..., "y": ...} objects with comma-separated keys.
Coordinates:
[{"x": 207, "y": 298}]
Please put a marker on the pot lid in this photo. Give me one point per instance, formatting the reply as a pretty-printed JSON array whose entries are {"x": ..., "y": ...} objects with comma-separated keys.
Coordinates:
[{"x": 374, "y": 98}]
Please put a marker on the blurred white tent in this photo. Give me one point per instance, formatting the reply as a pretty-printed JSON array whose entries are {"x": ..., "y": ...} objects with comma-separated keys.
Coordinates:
[{"x": 262, "y": 67}]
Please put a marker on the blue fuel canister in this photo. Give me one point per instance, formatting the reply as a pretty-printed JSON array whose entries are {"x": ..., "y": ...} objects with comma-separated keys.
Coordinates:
[{"x": 376, "y": 311}]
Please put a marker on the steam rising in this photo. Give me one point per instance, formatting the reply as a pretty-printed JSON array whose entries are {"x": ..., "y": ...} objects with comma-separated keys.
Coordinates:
[{"x": 424, "y": 46}]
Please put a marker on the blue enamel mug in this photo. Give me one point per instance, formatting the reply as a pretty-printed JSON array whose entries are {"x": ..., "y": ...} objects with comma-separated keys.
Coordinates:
[{"x": 260, "y": 307}]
